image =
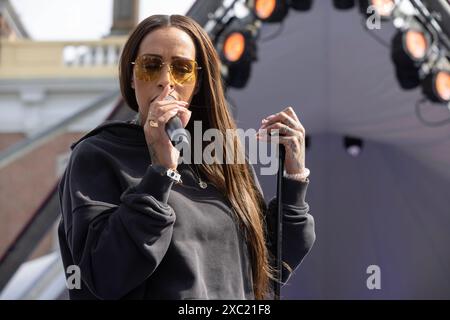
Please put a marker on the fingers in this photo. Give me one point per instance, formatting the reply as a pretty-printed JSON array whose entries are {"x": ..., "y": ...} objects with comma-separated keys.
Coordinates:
[
  {"x": 183, "y": 113},
  {"x": 281, "y": 133},
  {"x": 160, "y": 105},
  {"x": 275, "y": 134},
  {"x": 280, "y": 117},
  {"x": 286, "y": 117},
  {"x": 163, "y": 103},
  {"x": 294, "y": 143},
  {"x": 283, "y": 129},
  {"x": 157, "y": 109},
  {"x": 166, "y": 117},
  {"x": 290, "y": 111}
]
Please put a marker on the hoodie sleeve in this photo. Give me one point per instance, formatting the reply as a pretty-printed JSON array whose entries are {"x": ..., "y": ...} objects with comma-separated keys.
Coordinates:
[
  {"x": 298, "y": 225},
  {"x": 117, "y": 238}
]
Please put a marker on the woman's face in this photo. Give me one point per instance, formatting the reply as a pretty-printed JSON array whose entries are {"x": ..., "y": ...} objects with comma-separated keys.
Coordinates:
[{"x": 168, "y": 43}]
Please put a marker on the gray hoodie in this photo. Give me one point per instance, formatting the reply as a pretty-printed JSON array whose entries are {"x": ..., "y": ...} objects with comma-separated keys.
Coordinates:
[{"x": 135, "y": 234}]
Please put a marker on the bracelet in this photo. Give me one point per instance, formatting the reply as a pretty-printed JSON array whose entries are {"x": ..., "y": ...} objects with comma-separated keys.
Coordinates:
[
  {"x": 297, "y": 176},
  {"x": 171, "y": 173}
]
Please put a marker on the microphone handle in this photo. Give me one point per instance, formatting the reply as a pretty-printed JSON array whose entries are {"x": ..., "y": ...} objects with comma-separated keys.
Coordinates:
[{"x": 174, "y": 128}]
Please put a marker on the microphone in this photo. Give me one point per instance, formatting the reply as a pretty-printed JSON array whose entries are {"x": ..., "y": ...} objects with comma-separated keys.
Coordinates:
[{"x": 174, "y": 129}]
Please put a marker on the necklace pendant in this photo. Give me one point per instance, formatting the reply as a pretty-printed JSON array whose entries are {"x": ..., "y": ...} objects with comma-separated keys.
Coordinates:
[{"x": 202, "y": 184}]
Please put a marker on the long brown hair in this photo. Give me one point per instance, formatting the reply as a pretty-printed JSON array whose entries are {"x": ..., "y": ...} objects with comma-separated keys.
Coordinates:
[{"x": 236, "y": 181}]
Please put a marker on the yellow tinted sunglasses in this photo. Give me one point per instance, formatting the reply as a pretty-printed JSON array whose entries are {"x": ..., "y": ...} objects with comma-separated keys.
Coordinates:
[{"x": 148, "y": 67}]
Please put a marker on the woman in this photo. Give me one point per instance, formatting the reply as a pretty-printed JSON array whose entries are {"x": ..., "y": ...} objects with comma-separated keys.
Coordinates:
[{"x": 141, "y": 226}]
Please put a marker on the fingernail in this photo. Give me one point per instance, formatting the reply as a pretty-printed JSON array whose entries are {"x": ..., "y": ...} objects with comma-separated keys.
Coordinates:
[
  {"x": 270, "y": 117},
  {"x": 264, "y": 120}
]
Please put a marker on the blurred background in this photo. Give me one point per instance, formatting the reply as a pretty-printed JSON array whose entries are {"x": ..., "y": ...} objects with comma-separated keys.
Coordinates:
[{"x": 369, "y": 80}]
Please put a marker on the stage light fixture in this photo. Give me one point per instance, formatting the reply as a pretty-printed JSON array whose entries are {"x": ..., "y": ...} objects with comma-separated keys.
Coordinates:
[
  {"x": 383, "y": 8},
  {"x": 343, "y": 4},
  {"x": 410, "y": 48},
  {"x": 436, "y": 86},
  {"x": 301, "y": 5},
  {"x": 440, "y": 10},
  {"x": 238, "y": 74},
  {"x": 271, "y": 10},
  {"x": 353, "y": 145},
  {"x": 236, "y": 45},
  {"x": 415, "y": 44},
  {"x": 411, "y": 45},
  {"x": 408, "y": 78}
]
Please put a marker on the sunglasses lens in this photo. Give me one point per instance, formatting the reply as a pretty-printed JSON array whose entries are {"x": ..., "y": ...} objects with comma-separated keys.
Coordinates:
[
  {"x": 148, "y": 68},
  {"x": 184, "y": 71}
]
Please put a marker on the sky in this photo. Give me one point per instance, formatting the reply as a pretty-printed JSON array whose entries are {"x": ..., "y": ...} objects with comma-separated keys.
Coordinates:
[{"x": 82, "y": 19}]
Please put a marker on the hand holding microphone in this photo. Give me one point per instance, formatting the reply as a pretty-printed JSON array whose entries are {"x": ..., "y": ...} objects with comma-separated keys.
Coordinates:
[
  {"x": 175, "y": 129},
  {"x": 166, "y": 117}
]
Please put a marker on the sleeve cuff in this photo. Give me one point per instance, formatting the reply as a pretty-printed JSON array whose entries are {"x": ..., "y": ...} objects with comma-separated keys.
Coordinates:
[
  {"x": 156, "y": 185},
  {"x": 294, "y": 192}
]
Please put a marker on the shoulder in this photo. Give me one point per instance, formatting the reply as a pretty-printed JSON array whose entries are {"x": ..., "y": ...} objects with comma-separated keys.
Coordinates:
[
  {"x": 107, "y": 141},
  {"x": 126, "y": 131},
  {"x": 95, "y": 161}
]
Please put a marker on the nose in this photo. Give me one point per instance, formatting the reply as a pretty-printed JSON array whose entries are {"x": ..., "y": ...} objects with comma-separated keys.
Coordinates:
[{"x": 165, "y": 78}]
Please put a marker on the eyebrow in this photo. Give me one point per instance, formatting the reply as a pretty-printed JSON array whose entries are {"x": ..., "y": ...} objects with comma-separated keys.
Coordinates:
[{"x": 159, "y": 56}]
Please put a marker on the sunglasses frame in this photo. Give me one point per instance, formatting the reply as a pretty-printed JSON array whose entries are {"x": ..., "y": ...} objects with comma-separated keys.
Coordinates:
[{"x": 170, "y": 65}]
